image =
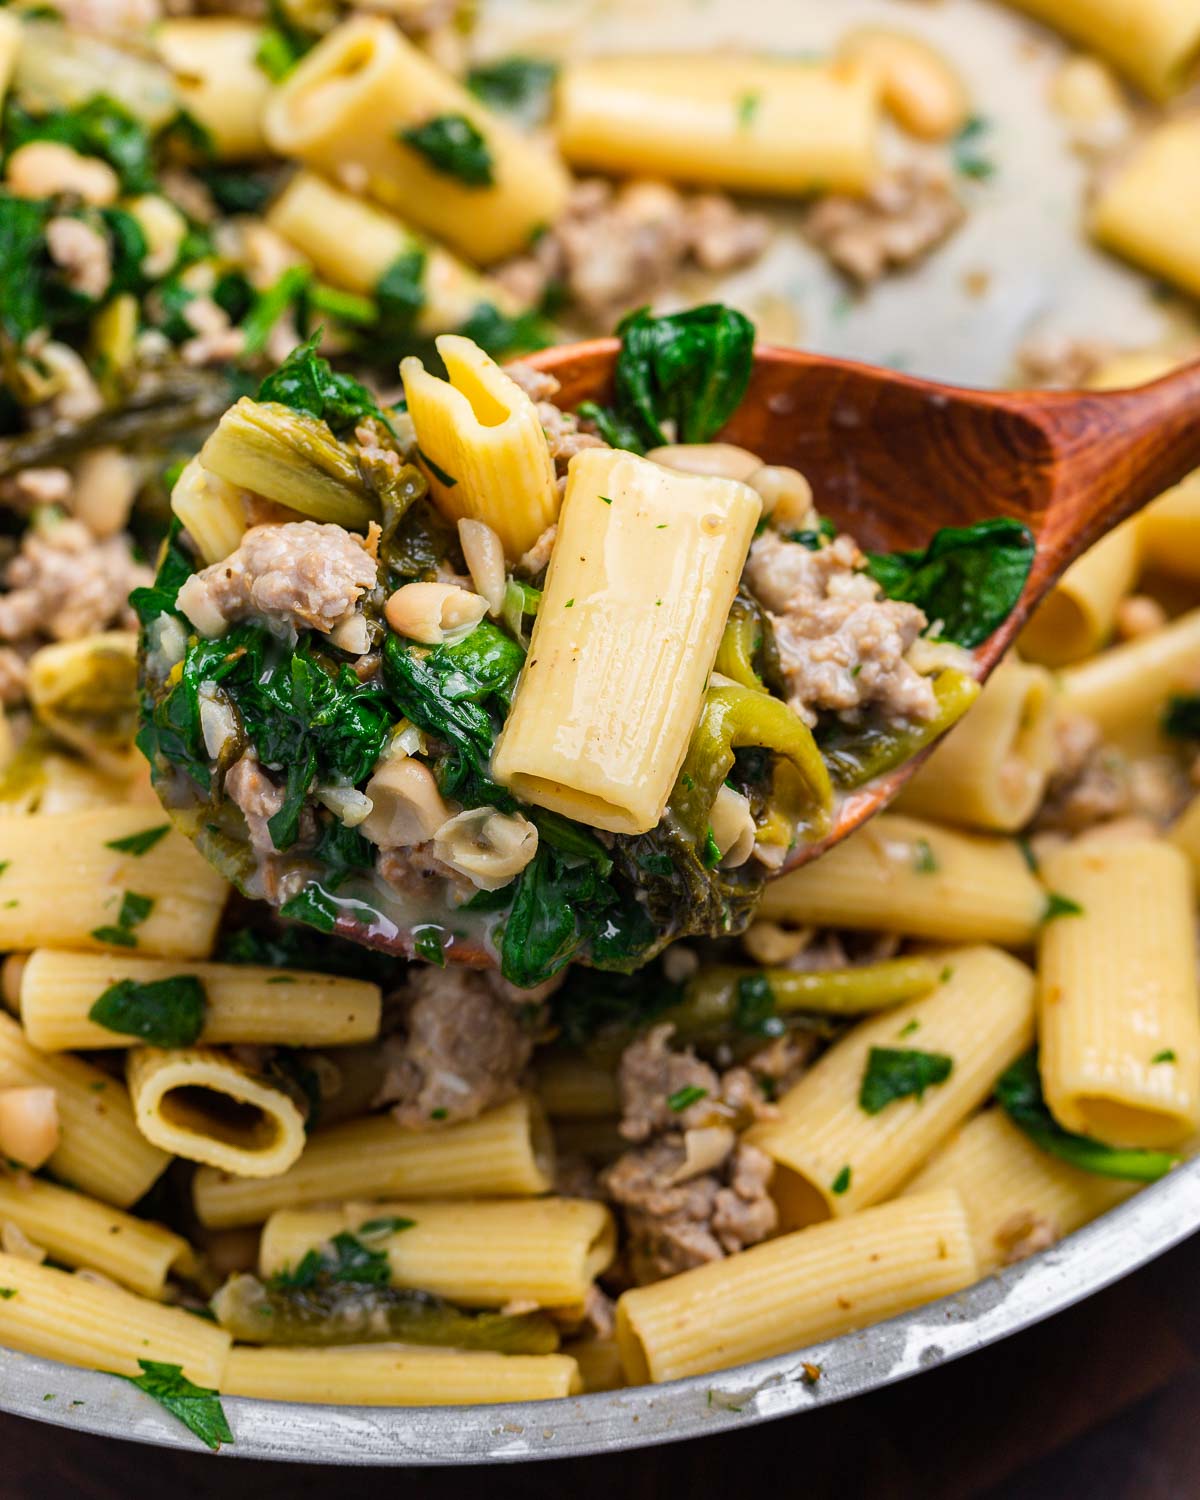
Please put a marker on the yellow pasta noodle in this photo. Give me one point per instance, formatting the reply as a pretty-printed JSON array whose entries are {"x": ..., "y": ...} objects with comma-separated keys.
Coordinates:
[
  {"x": 798, "y": 1289},
  {"x": 219, "y": 80},
  {"x": 1144, "y": 211},
  {"x": 506, "y": 1152},
  {"x": 10, "y": 45},
  {"x": 1118, "y": 999},
  {"x": 831, "y": 1157},
  {"x": 102, "y": 1327},
  {"x": 80, "y": 1231},
  {"x": 758, "y": 124},
  {"x": 100, "y": 1149},
  {"x": 904, "y": 875},
  {"x": 1170, "y": 530},
  {"x": 1017, "y": 1197},
  {"x": 212, "y": 510},
  {"x": 1186, "y": 835},
  {"x": 202, "y": 1105},
  {"x": 1154, "y": 42},
  {"x": 991, "y": 769},
  {"x": 1077, "y": 616},
  {"x": 649, "y": 558},
  {"x": 481, "y": 442},
  {"x": 349, "y": 104},
  {"x": 370, "y": 1376},
  {"x": 243, "y": 1003},
  {"x": 63, "y": 882},
  {"x": 478, "y": 1254}
]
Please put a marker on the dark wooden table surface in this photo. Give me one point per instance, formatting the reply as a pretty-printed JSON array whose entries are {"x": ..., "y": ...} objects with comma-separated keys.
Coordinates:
[{"x": 1100, "y": 1403}]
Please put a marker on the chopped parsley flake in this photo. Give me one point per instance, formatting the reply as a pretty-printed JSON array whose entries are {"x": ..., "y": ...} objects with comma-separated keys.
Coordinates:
[
  {"x": 747, "y": 108},
  {"x": 1058, "y": 905},
  {"x": 841, "y": 1182},
  {"x": 897, "y": 1073},
  {"x": 924, "y": 859},
  {"x": 134, "y": 911},
  {"x": 685, "y": 1097},
  {"x": 1167, "y": 1055},
  {"x": 452, "y": 145},
  {"x": 138, "y": 844},
  {"x": 197, "y": 1407}
]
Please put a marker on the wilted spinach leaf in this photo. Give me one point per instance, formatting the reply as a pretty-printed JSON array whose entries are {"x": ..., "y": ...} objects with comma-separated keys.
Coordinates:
[
  {"x": 900, "y": 1073},
  {"x": 307, "y": 383},
  {"x": 163, "y": 1013},
  {"x": 519, "y": 85},
  {"x": 100, "y": 127},
  {"x": 454, "y": 146},
  {"x": 1182, "y": 717}
]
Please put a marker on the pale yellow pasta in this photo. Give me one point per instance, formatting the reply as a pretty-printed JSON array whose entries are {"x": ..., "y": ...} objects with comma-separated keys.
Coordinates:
[
  {"x": 757, "y": 124},
  {"x": 63, "y": 883},
  {"x": 506, "y": 1152},
  {"x": 599, "y": 1362},
  {"x": 1077, "y": 616},
  {"x": 353, "y": 243},
  {"x": 797, "y": 1290},
  {"x": 367, "y": 1375},
  {"x": 1185, "y": 835},
  {"x": 1156, "y": 43},
  {"x": 576, "y": 1088},
  {"x": 1016, "y": 1196},
  {"x": 904, "y": 875},
  {"x": 1125, "y": 689},
  {"x": 220, "y": 83},
  {"x": 644, "y": 570},
  {"x": 204, "y": 1106},
  {"x": 1119, "y": 1008},
  {"x": 83, "y": 691},
  {"x": 10, "y": 45},
  {"x": 72, "y": 785},
  {"x": 481, "y": 443},
  {"x": 831, "y": 1157},
  {"x": 347, "y": 106},
  {"x": 101, "y": 1326},
  {"x": 1170, "y": 530},
  {"x": 244, "y": 1003},
  {"x": 212, "y": 510},
  {"x": 76, "y": 1230},
  {"x": 991, "y": 769},
  {"x": 100, "y": 1149},
  {"x": 1144, "y": 211},
  {"x": 486, "y": 1253}
]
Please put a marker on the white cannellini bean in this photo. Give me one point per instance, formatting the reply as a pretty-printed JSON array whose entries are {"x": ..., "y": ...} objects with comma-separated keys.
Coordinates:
[
  {"x": 218, "y": 722},
  {"x": 348, "y": 805},
  {"x": 920, "y": 88},
  {"x": 787, "y": 496},
  {"x": 715, "y": 460},
  {"x": 43, "y": 169},
  {"x": 195, "y": 602},
  {"x": 406, "y": 806},
  {"x": 165, "y": 229},
  {"x": 29, "y": 1131},
  {"x": 704, "y": 1148},
  {"x": 486, "y": 846},
  {"x": 433, "y": 612},
  {"x": 106, "y": 483},
  {"x": 352, "y": 634},
  {"x": 732, "y": 827},
  {"x": 769, "y": 944},
  {"x": 484, "y": 553}
]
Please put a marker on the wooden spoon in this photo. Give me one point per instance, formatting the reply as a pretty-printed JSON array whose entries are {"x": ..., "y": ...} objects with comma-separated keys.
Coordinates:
[{"x": 892, "y": 458}]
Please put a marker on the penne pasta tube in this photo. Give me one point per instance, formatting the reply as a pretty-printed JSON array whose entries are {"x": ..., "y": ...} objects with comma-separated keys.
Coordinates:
[
  {"x": 204, "y": 1106},
  {"x": 1077, "y": 616},
  {"x": 904, "y": 875},
  {"x": 573, "y": 1087},
  {"x": 481, "y": 444},
  {"x": 1018, "y": 1199},
  {"x": 66, "y": 880},
  {"x": 367, "y": 100},
  {"x": 650, "y": 558},
  {"x": 242, "y": 1002},
  {"x": 991, "y": 770},
  {"x": 220, "y": 84},
  {"x": 213, "y": 512},
  {"x": 1156, "y": 43},
  {"x": 10, "y": 45},
  {"x": 755, "y": 124},
  {"x": 1185, "y": 835},
  {"x": 76, "y": 1230},
  {"x": 100, "y": 1149},
  {"x": 1125, "y": 689},
  {"x": 506, "y": 1152},
  {"x": 547, "y": 1251},
  {"x": 833, "y": 1157},
  {"x": 354, "y": 244},
  {"x": 1170, "y": 530},
  {"x": 797, "y": 1290},
  {"x": 102, "y": 1327},
  {"x": 1119, "y": 1005},
  {"x": 368, "y": 1375},
  {"x": 1143, "y": 212}
]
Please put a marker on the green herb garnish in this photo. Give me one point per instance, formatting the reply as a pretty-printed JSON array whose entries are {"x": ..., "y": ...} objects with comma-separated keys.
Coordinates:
[
  {"x": 162, "y": 1013},
  {"x": 895, "y": 1073},
  {"x": 453, "y": 146}
]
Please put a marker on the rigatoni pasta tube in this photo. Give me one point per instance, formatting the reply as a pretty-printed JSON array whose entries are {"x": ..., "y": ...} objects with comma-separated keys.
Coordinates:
[
  {"x": 1125, "y": 689},
  {"x": 212, "y": 510},
  {"x": 370, "y": 1376},
  {"x": 100, "y": 1147},
  {"x": 1154, "y": 42},
  {"x": 64, "y": 880},
  {"x": 102, "y": 1327},
  {"x": 202, "y": 1105},
  {"x": 991, "y": 769},
  {"x": 1185, "y": 835},
  {"x": 1145, "y": 210},
  {"x": 506, "y": 1152},
  {"x": 649, "y": 559},
  {"x": 353, "y": 244},
  {"x": 904, "y": 875},
  {"x": 1170, "y": 530},
  {"x": 243, "y": 1003},
  {"x": 478, "y": 1254},
  {"x": 757, "y": 124},
  {"x": 220, "y": 84},
  {"x": 832, "y": 1157},
  {"x": 1076, "y": 617},
  {"x": 1015, "y": 1195},
  {"x": 350, "y": 103},
  {"x": 481, "y": 444},
  {"x": 797, "y": 1290},
  {"x": 76, "y": 1230},
  {"x": 1118, "y": 1000}
]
